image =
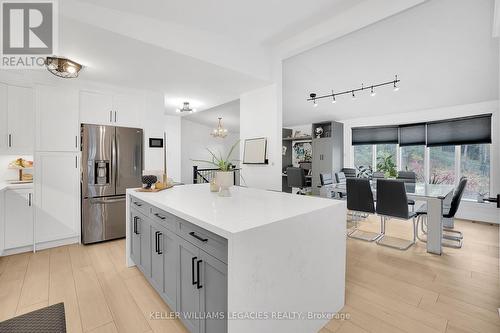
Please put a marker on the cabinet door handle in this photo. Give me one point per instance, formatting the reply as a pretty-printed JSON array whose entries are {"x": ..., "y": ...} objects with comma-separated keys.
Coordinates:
[
  {"x": 135, "y": 225},
  {"x": 198, "y": 285},
  {"x": 192, "y": 233},
  {"x": 137, "y": 204},
  {"x": 192, "y": 270},
  {"x": 156, "y": 241},
  {"x": 76, "y": 141},
  {"x": 29, "y": 199},
  {"x": 159, "y": 216},
  {"x": 160, "y": 250},
  {"x": 110, "y": 116},
  {"x": 115, "y": 116},
  {"x": 10, "y": 140}
]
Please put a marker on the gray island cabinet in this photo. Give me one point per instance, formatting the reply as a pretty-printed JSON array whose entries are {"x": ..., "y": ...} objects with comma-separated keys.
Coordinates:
[
  {"x": 171, "y": 253},
  {"x": 237, "y": 264}
]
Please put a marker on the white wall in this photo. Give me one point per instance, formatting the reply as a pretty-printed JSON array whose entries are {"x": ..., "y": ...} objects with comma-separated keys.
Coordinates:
[
  {"x": 195, "y": 138},
  {"x": 260, "y": 116},
  {"x": 173, "y": 129}
]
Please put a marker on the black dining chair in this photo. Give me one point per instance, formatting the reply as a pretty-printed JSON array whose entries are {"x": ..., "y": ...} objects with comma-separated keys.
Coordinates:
[
  {"x": 296, "y": 177},
  {"x": 409, "y": 177},
  {"x": 447, "y": 219},
  {"x": 340, "y": 179},
  {"x": 360, "y": 202},
  {"x": 392, "y": 202},
  {"x": 349, "y": 172}
]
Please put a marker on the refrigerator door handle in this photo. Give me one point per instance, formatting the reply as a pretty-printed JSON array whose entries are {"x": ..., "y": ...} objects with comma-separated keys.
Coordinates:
[
  {"x": 116, "y": 154},
  {"x": 107, "y": 201}
]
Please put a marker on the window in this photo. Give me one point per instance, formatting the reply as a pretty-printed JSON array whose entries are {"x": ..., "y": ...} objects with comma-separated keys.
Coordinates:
[
  {"x": 363, "y": 156},
  {"x": 412, "y": 159},
  {"x": 387, "y": 159},
  {"x": 442, "y": 165},
  {"x": 475, "y": 165}
]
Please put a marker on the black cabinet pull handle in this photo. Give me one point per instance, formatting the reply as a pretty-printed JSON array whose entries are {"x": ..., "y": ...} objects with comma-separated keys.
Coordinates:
[
  {"x": 159, "y": 216},
  {"x": 137, "y": 204},
  {"x": 135, "y": 225},
  {"x": 192, "y": 270},
  {"x": 156, "y": 241},
  {"x": 160, "y": 251},
  {"x": 192, "y": 233},
  {"x": 198, "y": 285}
]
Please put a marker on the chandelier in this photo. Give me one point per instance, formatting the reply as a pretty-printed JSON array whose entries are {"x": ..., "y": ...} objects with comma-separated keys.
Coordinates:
[{"x": 219, "y": 132}]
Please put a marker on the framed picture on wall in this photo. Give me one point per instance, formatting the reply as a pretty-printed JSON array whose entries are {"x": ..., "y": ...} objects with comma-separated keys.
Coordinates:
[{"x": 255, "y": 151}]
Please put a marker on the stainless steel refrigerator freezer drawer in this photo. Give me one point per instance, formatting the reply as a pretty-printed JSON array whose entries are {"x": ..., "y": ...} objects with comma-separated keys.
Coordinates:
[{"x": 103, "y": 219}]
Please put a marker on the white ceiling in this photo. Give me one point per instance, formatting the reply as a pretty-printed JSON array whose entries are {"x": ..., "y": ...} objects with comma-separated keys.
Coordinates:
[
  {"x": 443, "y": 52},
  {"x": 115, "y": 59},
  {"x": 204, "y": 52},
  {"x": 230, "y": 113},
  {"x": 258, "y": 21}
]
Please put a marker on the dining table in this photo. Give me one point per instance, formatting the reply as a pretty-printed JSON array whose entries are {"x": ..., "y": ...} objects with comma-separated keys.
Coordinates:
[{"x": 433, "y": 195}]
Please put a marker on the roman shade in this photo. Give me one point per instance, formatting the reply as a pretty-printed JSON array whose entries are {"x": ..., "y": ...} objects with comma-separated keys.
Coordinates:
[
  {"x": 459, "y": 131},
  {"x": 374, "y": 135},
  {"x": 412, "y": 135}
]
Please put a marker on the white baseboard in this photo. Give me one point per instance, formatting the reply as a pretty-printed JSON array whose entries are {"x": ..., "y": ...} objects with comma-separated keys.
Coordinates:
[{"x": 41, "y": 246}]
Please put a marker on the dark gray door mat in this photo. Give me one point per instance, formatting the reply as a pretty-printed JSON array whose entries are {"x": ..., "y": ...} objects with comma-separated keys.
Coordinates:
[{"x": 47, "y": 320}]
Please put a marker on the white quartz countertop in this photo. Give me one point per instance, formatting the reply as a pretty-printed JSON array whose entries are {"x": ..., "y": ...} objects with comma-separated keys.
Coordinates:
[
  {"x": 247, "y": 208},
  {"x": 9, "y": 186}
]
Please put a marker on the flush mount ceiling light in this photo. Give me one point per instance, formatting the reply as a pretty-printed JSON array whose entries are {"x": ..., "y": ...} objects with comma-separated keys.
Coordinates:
[
  {"x": 219, "y": 132},
  {"x": 185, "y": 108},
  {"x": 394, "y": 83},
  {"x": 63, "y": 67}
]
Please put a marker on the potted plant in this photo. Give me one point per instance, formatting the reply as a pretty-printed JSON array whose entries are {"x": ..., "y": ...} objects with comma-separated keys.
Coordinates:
[
  {"x": 387, "y": 165},
  {"x": 224, "y": 177}
]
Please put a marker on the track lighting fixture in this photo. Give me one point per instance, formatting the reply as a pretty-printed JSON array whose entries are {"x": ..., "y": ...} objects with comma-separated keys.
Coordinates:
[
  {"x": 314, "y": 98},
  {"x": 396, "y": 88}
]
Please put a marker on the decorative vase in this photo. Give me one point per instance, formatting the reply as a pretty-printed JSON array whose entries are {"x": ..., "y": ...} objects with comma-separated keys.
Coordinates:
[
  {"x": 149, "y": 180},
  {"x": 224, "y": 180}
]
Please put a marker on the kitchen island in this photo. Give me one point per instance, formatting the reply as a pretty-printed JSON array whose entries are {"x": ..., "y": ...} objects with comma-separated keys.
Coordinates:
[{"x": 258, "y": 261}]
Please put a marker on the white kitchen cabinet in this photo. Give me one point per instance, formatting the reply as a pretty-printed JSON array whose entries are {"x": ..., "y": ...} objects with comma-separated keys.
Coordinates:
[
  {"x": 96, "y": 108},
  {"x": 57, "y": 125},
  {"x": 128, "y": 110},
  {"x": 57, "y": 188},
  {"x": 20, "y": 120},
  {"x": 3, "y": 118},
  {"x": 18, "y": 218},
  {"x": 111, "y": 109}
]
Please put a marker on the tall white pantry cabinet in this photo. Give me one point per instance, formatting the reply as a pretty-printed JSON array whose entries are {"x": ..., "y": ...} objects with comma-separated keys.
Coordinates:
[{"x": 44, "y": 121}]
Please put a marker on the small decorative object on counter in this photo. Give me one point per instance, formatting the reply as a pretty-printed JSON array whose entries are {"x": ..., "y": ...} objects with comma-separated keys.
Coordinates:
[
  {"x": 224, "y": 180},
  {"x": 213, "y": 186},
  {"x": 21, "y": 164},
  {"x": 149, "y": 180}
]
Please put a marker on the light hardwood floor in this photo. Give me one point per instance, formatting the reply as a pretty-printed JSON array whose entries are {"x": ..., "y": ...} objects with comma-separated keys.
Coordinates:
[{"x": 387, "y": 290}]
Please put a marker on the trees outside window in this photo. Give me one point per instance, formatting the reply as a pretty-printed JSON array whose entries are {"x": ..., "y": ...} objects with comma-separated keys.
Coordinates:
[
  {"x": 442, "y": 165},
  {"x": 475, "y": 165},
  {"x": 413, "y": 159}
]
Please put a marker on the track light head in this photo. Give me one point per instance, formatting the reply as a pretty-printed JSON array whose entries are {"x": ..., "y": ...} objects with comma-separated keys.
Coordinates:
[
  {"x": 372, "y": 93},
  {"x": 396, "y": 88},
  {"x": 313, "y": 97},
  {"x": 352, "y": 95},
  {"x": 333, "y": 99}
]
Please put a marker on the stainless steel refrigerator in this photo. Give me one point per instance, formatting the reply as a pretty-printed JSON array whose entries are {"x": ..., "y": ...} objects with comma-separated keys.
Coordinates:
[{"x": 111, "y": 163}]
